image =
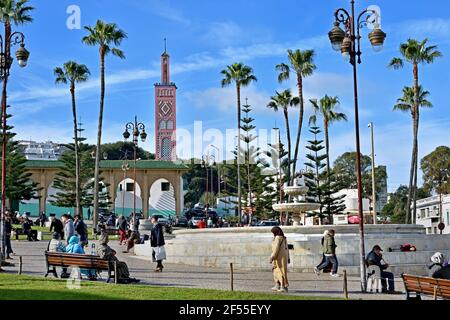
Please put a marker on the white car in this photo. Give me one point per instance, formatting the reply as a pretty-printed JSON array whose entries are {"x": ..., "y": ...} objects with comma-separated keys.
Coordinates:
[{"x": 195, "y": 221}]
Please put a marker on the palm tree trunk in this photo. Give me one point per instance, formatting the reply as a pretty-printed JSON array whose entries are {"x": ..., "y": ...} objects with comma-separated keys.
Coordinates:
[
  {"x": 411, "y": 178},
  {"x": 238, "y": 90},
  {"x": 300, "y": 123},
  {"x": 416, "y": 139},
  {"x": 99, "y": 136},
  {"x": 288, "y": 135},
  {"x": 77, "y": 160},
  {"x": 416, "y": 165}
]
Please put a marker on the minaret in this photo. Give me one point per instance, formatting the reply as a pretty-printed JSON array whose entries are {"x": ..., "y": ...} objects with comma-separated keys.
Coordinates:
[{"x": 165, "y": 112}]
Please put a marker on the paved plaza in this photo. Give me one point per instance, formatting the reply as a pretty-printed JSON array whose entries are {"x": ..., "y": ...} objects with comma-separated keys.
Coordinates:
[{"x": 176, "y": 275}]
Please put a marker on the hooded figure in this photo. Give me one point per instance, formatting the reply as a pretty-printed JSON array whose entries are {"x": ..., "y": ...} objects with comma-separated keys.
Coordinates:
[
  {"x": 437, "y": 268},
  {"x": 107, "y": 253},
  {"x": 74, "y": 246},
  {"x": 56, "y": 245}
]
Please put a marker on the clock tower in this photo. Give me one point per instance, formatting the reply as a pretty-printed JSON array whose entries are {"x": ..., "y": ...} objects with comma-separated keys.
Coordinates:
[{"x": 165, "y": 113}]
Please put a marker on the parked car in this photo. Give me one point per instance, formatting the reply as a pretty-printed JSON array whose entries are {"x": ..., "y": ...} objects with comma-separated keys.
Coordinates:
[
  {"x": 103, "y": 215},
  {"x": 162, "y": 220},
  {"x": 193, "y": 223},
  {"x": 181, "y": 222},
  {"x": 268, "y": 223}
]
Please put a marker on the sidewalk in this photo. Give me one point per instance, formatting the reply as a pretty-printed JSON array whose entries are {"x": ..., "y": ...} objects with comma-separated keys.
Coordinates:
[{"x": 304, "y": 284}]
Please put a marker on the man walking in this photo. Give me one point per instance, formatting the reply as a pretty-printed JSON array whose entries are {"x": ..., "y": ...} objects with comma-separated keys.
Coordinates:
[
  {"x": 69, "y": 229},
  {"x": 57, "y": 226},
  {"x": 157, "y": 242},
  {"x": 329, "y": 252}
]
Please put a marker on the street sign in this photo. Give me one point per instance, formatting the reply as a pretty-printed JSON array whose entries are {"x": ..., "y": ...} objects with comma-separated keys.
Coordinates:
[{"x": 441, "y": 226}]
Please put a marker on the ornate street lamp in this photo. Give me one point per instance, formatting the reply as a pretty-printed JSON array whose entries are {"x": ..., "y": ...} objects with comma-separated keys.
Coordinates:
[
  {"x": 348, "y": 41},
  {"x": 6, "y": 61},
  {"x": 138, "y": 130}
]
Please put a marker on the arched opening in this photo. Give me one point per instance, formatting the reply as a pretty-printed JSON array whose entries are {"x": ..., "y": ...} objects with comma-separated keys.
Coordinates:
[
  {"x": 162, "y": 198},
  {"x": 31, "y": 206},
  {"x": 125, "y": 197}
]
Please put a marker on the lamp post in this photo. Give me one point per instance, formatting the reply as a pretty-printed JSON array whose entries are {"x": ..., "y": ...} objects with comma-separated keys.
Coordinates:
[
  {"x": 374, "y": 193},
  {"x": 280, "y": 178},
  {"x": 138, "y": 130},
  {"x": 218, "y": 168},
  {"x": 348, "y": 41},
  {"x": 207, "y": 161},
  {"x": 125, "y": 168},
  {"x": 22, "y": 55}
]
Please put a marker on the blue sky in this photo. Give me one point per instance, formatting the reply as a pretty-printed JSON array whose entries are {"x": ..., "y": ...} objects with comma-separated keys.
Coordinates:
[{"x": 205, "y": 36}]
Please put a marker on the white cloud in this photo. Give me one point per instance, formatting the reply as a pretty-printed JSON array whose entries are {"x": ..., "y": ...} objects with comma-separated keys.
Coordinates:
[
  {"x": 393, "y": 143},
  {"x": 223, "y": 33},
  {"x": 224, "y": 99},
  {"x": 433, "y": 27}
]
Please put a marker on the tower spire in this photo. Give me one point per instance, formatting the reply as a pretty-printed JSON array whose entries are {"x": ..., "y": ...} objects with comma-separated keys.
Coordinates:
[{"x": 165, "y": 45}]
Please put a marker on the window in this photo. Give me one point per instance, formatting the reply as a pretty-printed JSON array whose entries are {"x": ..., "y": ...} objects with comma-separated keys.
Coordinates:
[
  {"x": 162, "y": 125},
  {"x": 165, "y": 186},
  {"x": 130, "y": 186},
  {"x": 165, "y": 148},
  {"x": 169, "y": 125},
  {"x": 448, "y": 217}
]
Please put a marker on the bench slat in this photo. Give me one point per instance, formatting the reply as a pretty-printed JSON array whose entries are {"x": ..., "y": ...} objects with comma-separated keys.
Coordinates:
[
  {"x": 60, "y": 259},
  {"x": 427, "y": 285}
]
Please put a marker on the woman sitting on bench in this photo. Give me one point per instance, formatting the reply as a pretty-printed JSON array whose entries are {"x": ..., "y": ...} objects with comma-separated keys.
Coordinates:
[{"x": 76, "y": 248}]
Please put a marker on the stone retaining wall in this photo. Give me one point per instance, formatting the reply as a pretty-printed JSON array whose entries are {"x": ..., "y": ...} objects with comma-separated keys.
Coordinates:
[{"x": 250, "y": 248}]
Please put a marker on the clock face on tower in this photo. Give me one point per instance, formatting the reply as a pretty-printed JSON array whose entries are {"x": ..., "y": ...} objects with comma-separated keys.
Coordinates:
[{"x": 165, "y": 107}]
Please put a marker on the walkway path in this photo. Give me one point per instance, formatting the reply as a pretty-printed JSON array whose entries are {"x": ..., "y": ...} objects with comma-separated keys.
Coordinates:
[{"x": 306, "y": 284}]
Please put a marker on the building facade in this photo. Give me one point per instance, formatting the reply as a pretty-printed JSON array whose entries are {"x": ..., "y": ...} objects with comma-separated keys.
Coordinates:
[
  {"x": 428, "y": 214},
  {"x": 165, "y": 113},
  {"x": 49, "y": 150}
]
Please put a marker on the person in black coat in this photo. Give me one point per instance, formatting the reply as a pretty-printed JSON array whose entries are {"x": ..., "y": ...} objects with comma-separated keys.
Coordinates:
[
  {"x": 375, "y": 257},
  {"x": 157, "y": 242},
  {"x": 8, "y": 231},
  {"x": 57, "y": 226}
]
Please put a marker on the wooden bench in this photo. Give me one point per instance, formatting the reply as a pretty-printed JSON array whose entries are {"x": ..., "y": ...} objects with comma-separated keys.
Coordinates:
[
  {"x": 83, "y": 261},
  {"x": 437, "y": 288}
]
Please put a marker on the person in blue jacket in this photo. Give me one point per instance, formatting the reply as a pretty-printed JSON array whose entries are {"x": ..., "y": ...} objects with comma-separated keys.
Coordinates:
[{"x": 75, "y": 247}]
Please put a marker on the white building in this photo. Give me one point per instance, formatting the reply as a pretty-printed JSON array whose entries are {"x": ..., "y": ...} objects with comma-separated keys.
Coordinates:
[
  {"x": 428, "y": 214},
  {"x": 351, "y": 201},
  {"x": 33, "y": 150}
]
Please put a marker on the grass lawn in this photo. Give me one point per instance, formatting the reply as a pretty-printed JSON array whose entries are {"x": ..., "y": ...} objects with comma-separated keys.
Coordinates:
[{"x": 13, "y": 287}]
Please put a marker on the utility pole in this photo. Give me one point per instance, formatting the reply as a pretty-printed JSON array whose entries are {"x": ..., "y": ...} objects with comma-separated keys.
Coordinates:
[{"x": 374, "y": 193}]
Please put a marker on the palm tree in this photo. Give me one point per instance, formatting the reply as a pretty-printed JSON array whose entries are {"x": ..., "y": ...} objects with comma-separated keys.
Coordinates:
[
  {"x": 242, "y": 76},
  {"x": 407, "y": 103},
  {"x": 302, "y": 64},
  {"x": 326, "y": 107},
  {"x": 415, "y": 53},
  {"x": 284, "y": 100},
  {"x": 73, "y": 73},
  {"x": 104, "y": 35}
]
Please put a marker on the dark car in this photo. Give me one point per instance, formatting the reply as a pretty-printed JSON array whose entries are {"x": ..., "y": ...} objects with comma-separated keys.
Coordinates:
[{"x": 181, "y": 222}]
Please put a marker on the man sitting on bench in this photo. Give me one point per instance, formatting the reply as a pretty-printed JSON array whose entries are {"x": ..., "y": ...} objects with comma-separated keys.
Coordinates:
[{"x": 375, "y": 258}]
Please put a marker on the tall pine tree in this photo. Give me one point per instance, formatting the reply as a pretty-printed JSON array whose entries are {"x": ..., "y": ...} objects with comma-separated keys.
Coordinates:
[
  {"x": 322, "y": 184},
  {"x": 18, "y": 183}
]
